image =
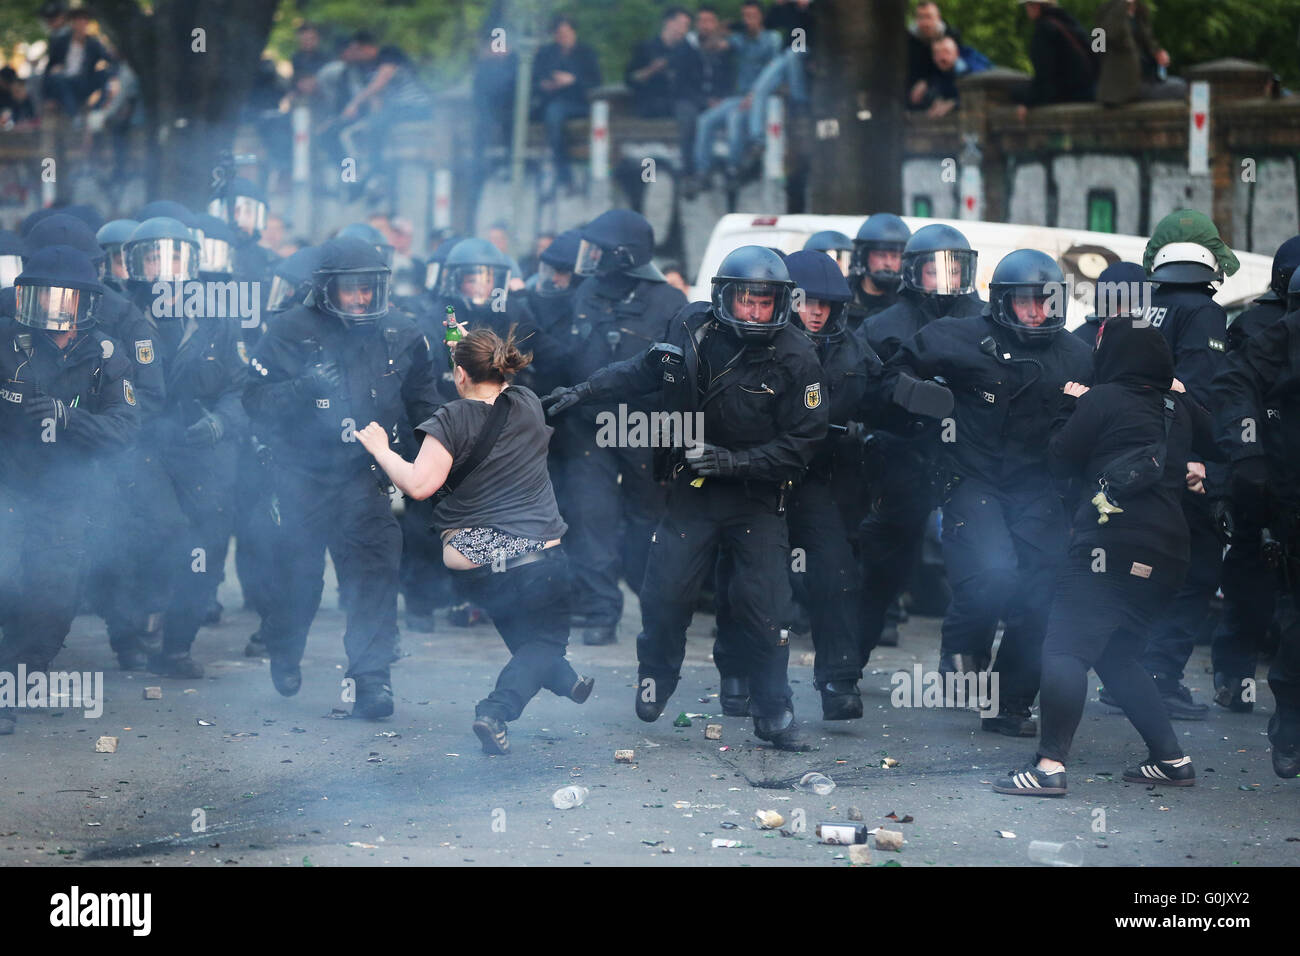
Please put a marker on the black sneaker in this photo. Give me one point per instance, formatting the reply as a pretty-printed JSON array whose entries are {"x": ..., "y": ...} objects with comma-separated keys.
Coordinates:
[
  {"x": 374, "y": 697},
  {"x": 1166, "y": 773},
  {"x": 1178, "y": 701},
  {"x": 287, "y": 677},
  {"x": 492, "y": 733},
  {"x": 1014, "y": 723},
  {"x": 783, "y": 733},
  {"x": 8, "y": 720},
  {"x": 1286, "y": 752},
  {"x": 175, "y": 665},
  {"x": 1032, "y": 782},
  {"x": 841, "y": 700},
  {"x": 733, "y": 694},
  {"x": 1230, "y": 693},
  {"x": 582, "y": 690}
]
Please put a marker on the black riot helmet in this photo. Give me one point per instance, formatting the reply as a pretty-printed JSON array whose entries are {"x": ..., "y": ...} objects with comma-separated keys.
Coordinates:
[
  {"x": 64, "y": 230},
  {"x": 1293, "y": 292},
  {"x": 242, "y": 205},
  {"x": 217, "y": 247},
  {"x": 368, "y": 233},
  {"x": 1285, "y": 261},
  {"x": 351, "y": 282},
  {"x": 938, "y": 261},
  {"x": 1122, "y": 291},
  {"x": 555, "y": 265},
  {"x": 110, "y": 237},
  {"x": 161, "y": 250},
  {"x": 618, "y": 240},
  {"x": 817, "y": 279},
  {"x": 433, "y": 270},
  {"x": 883, "y": 232},
  {"x": 291, "y": 279},
  {"x": 752, "y": 293},
  {"x": 86, "y": 213},
  {"x": 835, "y": 244},
  {"x": 1027, "y": 294},
  {"x": 11, "y": 257},
  {"x": 475, "y": 274},
  {"x": 165, "y": 208},
  {"x": 57, "y": 291}
]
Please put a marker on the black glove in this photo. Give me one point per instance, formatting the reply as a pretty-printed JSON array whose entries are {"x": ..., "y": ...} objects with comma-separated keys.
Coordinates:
[
  {"x": 42, "y": 408},
  {"x": 712, "y": 461},
  {"x": 325, "y": 377},
  {"x": 205, "y": 432},
  {"x": 922, "y": 397},
  {"x": 565, "y": 397}
]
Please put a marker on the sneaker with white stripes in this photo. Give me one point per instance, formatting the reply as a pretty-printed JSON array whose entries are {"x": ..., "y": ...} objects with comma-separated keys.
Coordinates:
[
  {"x": 1167, "y": 773},
  {"x": 1033, "y": 782}
]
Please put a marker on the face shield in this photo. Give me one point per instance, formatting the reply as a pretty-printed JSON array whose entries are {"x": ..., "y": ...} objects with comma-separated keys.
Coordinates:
[
  {"x": 283, "y": 294},
  {"x": 162, "y": 260},
  {"x": 10, "y": 267},
  {"x": 552, "y": 281},
  {"x": 474, "y": 284},
  {"x": 589, "y": 258},
  {"x": 1032, "y": 309},
  {"x": 945, "y": 272},
  {"x": 243, "y": 212},
  {"x": 217, "y": 256},
  {"x": 431, "y": 276},
  {"x": 842, "y": 258},
  {"x": 756, "y": 310},
  {"x": 53, "y": 308},
  {"x": 356, "y": 297}
]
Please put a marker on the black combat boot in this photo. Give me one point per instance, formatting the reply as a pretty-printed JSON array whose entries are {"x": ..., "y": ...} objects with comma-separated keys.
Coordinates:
[
  {"x": 374, "y": 697},
  {"x": 841, "y": 700},
  {"x": 652, "y": 698},
  {"x": 782, "y": 733},
  {"x": 733, "y": 695},
  {"x": 1230, "y": 693}
]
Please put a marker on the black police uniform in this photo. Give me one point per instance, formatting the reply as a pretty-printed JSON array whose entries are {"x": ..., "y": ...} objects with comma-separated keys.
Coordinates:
[
  {"x": 328, "y": 491},
  {"x": 51, "y": 480},
  {"x": 1195, "y": 326},
  {"x": 901, "y": 494},
  {"x": 865, "y": 305},
  {"x": 610, "y": 497},
  {"x": 1260, "y": 387},
  {"x": 1004, "y": 529},
  {"x": 764, "y": 399}
]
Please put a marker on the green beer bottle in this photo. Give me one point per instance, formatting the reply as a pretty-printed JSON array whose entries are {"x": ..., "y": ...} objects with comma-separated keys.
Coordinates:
[{"x": 452, "y": 335}]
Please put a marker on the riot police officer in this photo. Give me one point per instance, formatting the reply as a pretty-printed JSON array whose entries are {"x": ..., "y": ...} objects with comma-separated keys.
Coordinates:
[
  {"x": 836, "y": 245},
  {"x": 937, "y": 279},
  {"x": 323, "y": 369},
  {"x": 1182, "y": 264},
  {"x": 368, "y": 233},
  {"x": 1259, "y": 416},
  {"x": 1122, "y": 290},
  {"x": 241, "y": 204},
  {"x": 876, "y": 268},
  {"x": 66, "y": 403},
  {"x": 736, "y": 365},
  {"x": 609, "y": 494},
  {"x": 1270, "y": 306},
  {"x": 1004, "y": 529},
  {"x": 110, "y": 237}
]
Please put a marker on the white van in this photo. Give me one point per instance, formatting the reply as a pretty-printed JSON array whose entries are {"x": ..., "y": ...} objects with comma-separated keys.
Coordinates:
[{"x": 1081, "y": 254}]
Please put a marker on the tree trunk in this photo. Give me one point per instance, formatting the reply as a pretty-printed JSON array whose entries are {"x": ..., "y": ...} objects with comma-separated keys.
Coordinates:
[
  {"x": 860, "y": 52},
  {"x": 191, "y": 89}
]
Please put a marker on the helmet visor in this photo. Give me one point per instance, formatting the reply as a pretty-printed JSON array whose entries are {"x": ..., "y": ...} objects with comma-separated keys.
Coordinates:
[
  {"x": 758, "y": 305},
  {"x": 357, "y": 296},
  {"x": 551, "y": 279},
  {"x": 944, "y": 272},
  {"x": 10, "y": 267},
  {"x": 476, "y": 285},
  {"x": 589, "y": 256},
  {"x": 52, "y": 308},
  {"x": 162, "y": 260},
  {"x": 217, "y": 256},
  {"x": 843, "y": 258},
  {"x": 431, "y": 275},
  {"x": 1036, "y": 309},
  {"x": 282, "y": 295},
  {"x": 243, "y": 212}
]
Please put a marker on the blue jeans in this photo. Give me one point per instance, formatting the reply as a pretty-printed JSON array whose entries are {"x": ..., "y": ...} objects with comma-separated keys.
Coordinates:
[
  {"x": 727, "y": 112},
  {"x": 554, "y": 115},
  {"x": 786, "y": 68}
]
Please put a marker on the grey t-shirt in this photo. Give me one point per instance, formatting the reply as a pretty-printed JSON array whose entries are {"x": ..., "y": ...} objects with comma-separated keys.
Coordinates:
[{"x": 511, "y": 490}]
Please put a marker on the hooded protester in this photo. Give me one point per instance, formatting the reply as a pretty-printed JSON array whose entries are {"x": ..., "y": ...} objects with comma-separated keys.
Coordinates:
[{"x": 1134, "y": 433}]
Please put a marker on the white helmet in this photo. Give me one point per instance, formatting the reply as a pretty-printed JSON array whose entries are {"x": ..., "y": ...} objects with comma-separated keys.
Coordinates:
[{"x": 1185, "y": 263}]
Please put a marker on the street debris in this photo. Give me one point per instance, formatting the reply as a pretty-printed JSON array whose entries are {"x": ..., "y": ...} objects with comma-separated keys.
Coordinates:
[
  {"x": 855, "y": 813},
  {"x": 769, "y": 820},
  {"x": 841, "y": 834},
  {"x": 814, "y": 782},
  {"x": 713, "y": 731},
  {"x": 725, "y": 844},
  {"x": 1005, "y": 834},
  {"x": 889, "y": 840},
  {"x": 153, "y": 693},
  {"x": 624, "y": 756},
  {"x": 860, "y": 854},
  {"x": 682, "y": 721},
  {"x": 566, "y": 798},
  {"x": 106, "y": 745}
]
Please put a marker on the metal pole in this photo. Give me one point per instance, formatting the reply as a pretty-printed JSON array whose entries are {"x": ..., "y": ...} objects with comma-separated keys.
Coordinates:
[
  {"x": 519, "y": 140},
  {"x": 302, "y": 204}
]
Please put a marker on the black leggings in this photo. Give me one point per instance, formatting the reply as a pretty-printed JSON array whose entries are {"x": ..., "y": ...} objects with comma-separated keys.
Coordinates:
[{"x": 1100, "y": 619}]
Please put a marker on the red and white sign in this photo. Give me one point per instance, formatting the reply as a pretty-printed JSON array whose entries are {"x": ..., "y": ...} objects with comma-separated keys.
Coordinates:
[
  {"x": 599, "y": 141},
  {"x": 1198, "y": 131}
]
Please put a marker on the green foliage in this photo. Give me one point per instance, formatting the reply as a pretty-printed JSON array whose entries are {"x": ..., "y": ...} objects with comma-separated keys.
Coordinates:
[{"x": 1261, "y": 30}]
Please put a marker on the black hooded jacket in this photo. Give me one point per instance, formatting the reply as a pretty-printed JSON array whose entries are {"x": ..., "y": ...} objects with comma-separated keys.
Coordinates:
[{"x": 1123, "y": 413}]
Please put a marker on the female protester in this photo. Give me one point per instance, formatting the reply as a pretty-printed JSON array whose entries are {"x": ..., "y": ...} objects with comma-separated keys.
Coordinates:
[
  {"x": 498, "y": 520},
  {"x": 1136, "y": 434}
]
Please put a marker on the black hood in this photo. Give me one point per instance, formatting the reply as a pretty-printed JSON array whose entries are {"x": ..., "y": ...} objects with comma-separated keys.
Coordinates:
[{"x": 1134, "y": 356}]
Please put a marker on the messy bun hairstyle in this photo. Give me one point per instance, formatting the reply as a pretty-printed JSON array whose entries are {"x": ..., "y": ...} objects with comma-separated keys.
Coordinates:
[{"x": 485, "y": 357}]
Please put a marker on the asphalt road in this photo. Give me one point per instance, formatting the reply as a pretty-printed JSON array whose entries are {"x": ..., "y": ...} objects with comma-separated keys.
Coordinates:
[{"x": 278, "y": 782}]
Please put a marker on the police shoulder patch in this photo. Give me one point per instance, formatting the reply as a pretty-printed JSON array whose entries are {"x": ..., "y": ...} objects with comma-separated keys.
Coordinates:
[
  {"x": 812, "y": 395},
  {"x": 128, "y": 392},
  {"x": 144, "y": 351}
]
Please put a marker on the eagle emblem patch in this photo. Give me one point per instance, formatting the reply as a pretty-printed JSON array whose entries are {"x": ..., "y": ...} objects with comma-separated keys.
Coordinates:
[
  {"x": 812, "y": 395},
  {"x": 128, "y": 392},
  {"x": 144, "y": 351}
]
